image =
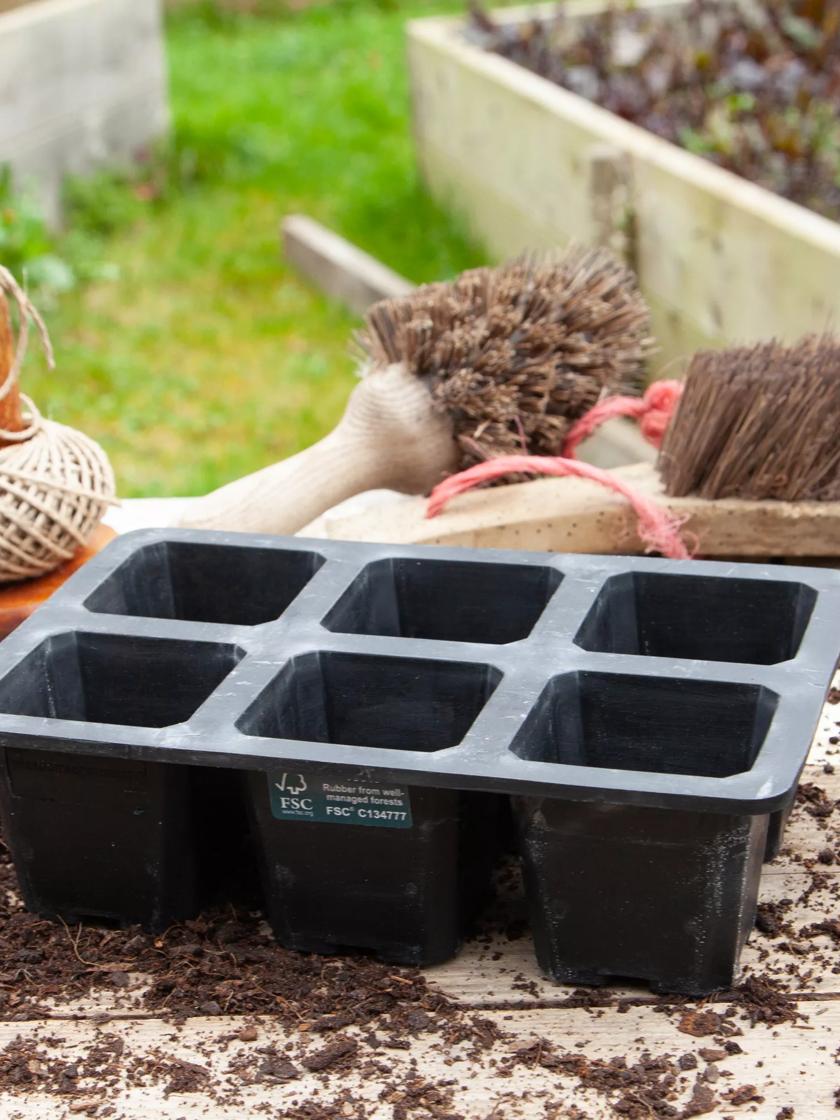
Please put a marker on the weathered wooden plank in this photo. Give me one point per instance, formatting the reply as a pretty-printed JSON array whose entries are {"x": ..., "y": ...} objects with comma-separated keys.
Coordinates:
[
  {"x": 576, "y": 515},
  {"x": 339, "y": 268},
  {"x": 824, "y": 750},
  {"x": 82, "y": 84}
]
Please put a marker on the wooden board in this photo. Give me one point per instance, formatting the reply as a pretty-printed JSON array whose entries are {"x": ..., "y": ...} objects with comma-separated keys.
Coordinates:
[
  {"x": 527, "y": 1021},
  {"x": 101, "y": 99},
  {"x": 339, "y": 268},
  {"x": 575, "y": 515},
  {"x": 795, "y": 1069}
]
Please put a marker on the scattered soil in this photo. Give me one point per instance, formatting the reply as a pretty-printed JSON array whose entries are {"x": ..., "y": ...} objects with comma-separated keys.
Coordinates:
[
  {"x": 815, "y": 800},
  {"x": 709, "y": 1055},
  {"x": 830, "y": 927},
  {"x": 771, "y": 917},
  {"x": 336, "y": 1052},
  {"x": 266, "y": 1067},
  {"x": 702, "y": 1101},
  {"x": 743, "y": 1095},
  {"x": 763, "y": 1001},
  {"x": 699, "y": 1024},
  {"x": 648, "y": 1087},
  {"x": 351, "y": 1014},
  {"x": 224, "y": 962}
]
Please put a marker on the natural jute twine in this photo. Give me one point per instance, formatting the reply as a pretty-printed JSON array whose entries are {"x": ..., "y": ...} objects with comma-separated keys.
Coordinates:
[{"x": 55, "y": 483}]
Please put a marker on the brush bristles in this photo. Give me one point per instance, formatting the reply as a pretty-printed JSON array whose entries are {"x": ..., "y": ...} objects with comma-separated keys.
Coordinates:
[
  {"x": 514, "y": 354},
  {"x": 758, "y": 422}
]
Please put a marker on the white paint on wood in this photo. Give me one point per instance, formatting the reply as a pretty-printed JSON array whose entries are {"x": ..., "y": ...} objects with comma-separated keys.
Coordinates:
[{"x": 82, "y": 85}]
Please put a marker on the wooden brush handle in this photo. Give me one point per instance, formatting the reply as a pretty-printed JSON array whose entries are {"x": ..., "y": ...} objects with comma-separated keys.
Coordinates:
[
  {"x": 284, "y": 496},
  {"x": 389, "y": 436}
]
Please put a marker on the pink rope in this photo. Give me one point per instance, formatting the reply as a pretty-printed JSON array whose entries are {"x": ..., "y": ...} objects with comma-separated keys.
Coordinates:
[
  {"x": 653, "y": 411},
  {"x": 658, "y": 529}
]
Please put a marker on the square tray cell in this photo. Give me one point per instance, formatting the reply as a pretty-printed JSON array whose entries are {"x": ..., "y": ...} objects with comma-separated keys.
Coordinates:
[
  {"x": 705, "y": 618},
  {"x": 445, "y": 600},
  {"x": 230, "y": 584},
  {"x": 116, "y": 679},
  {"x": 662, "y": 725},
  {"x": 395, "y": 703}
]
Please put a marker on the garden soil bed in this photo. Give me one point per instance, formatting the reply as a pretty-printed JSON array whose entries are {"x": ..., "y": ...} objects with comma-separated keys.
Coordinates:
[
  {"x": 213, "y": 1019},
  {"x": 755, "y": 93},
  {"x": 530, "y": 164}
]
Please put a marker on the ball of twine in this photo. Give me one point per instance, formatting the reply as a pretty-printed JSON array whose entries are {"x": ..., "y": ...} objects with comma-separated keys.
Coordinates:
[{"x": 55, "y": 483}]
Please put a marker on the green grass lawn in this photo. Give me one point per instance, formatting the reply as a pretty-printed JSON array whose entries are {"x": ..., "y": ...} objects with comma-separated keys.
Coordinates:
[{"x": 206, "y": 357}]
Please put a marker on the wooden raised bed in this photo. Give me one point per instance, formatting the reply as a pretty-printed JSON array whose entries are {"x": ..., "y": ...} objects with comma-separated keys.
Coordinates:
[
  {"x": 82, "y": 85},
  {"x": 531, "y": 165}
]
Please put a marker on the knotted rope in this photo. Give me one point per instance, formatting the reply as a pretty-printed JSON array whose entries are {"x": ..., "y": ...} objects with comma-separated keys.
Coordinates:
[
  {"x": 658, "y": 529},
  {"x": 653, "y": 411},
  {"x": 55, "y": 483}
]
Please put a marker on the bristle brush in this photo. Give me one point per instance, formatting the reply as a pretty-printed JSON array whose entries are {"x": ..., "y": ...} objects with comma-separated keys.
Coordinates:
[
  {"x": 749, "y": 466},
  {"x": 500, "y": 359}
]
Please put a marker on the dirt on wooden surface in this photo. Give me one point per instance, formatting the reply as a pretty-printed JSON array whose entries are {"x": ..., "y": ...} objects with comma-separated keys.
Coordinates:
[
  {"x": 348, "y": 1014},
  {"x": 350, "y": 1020}
]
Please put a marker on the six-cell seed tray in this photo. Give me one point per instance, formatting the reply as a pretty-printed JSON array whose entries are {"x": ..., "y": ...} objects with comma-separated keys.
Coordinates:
[{"x": 377, "y": 710}]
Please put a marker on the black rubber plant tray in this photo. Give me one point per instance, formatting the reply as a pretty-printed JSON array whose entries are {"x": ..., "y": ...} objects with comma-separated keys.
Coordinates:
[{"x": 372, "y": 707}]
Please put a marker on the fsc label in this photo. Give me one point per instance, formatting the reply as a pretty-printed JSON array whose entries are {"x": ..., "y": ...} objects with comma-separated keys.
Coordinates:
[{"x": 305, "y": 797}]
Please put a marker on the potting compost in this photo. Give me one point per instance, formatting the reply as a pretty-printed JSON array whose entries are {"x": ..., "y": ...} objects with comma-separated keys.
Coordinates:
[{"x": 378, "y": 710}]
